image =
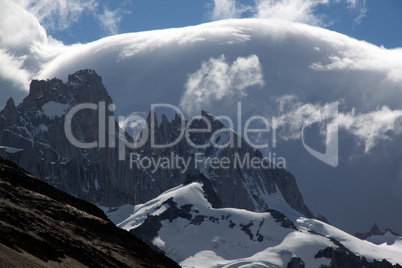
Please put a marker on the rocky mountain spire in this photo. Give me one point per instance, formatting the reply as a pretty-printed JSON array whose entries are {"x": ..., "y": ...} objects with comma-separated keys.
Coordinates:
[
  {"x": 375, "y": 231},
  {"x": 100, "y": 175},
  {"x": 9, "y": 115}
]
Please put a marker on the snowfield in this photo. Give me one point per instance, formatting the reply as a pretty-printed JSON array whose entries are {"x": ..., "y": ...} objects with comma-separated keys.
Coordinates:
[{"x": 227, "y": 237}]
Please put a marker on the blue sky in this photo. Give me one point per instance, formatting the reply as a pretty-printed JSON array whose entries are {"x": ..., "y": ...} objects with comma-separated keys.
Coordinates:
[{"x": 379, "y": 25}]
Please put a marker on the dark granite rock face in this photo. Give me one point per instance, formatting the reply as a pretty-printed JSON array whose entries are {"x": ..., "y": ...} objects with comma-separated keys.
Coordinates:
[
  {"x": 342, "y": 257},
  {"x": 43, "y": 226},
  {"x": 150, "y": 228},
  {"x": 38, "y": 127},
  {"x": 280, "y": 217},
  {"x": 296, "y": 262},
  {"x": 210, "y": 193}
]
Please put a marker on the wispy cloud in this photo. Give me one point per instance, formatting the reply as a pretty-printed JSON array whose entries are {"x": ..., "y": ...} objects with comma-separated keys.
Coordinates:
[
  {"x": 371, "y": 128},
  {"x": 110, "y": 20},
  {"x": 292, "y": 10},
  {"x": 59, "y": 14},
  {"x": 228, "y": 9},
  {"x": 360, "y": 6},
  {"x": 217, "y": 79}
]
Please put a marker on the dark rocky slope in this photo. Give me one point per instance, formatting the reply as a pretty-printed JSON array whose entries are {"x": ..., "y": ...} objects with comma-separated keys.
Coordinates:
[{"x": 41, "y": 226}]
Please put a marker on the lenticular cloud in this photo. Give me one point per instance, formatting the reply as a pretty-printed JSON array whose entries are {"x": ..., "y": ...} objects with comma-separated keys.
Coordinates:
[{"x": 276, "y": 69}]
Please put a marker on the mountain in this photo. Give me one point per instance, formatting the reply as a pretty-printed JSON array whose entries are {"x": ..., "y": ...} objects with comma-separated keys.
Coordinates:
[
  {"x": 112, "y": 175},
  {"x": 186, "y": 223},
  {"x": 42, "y": 226},
  {"x": 37, "y": 127},
  {"x": 378, "y": 237},
  {"x": 202, "y": 194}
]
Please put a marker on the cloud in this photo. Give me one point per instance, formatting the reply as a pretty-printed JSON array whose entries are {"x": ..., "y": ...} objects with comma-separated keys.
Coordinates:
[
  {"x": 59, "y": 14},
  {"x": 218, "y": 79},
  {"x": 360, "y": 17},
  {"x": 292, "y": 10},
  {"x": 228, "y": 9},
  {"x": 356, "y": 3},
  {"x": 296, "y": 59},
  {"x": 360, "y": 7},
  {"x": 304, "y": 68},
  {"x": 373, "y": 58},
  {"x": 11, "y": 69},
  {"x": 110, "y": 20},
  {"x": 22, "y": 44},
  {"x": 25, "y": 46},
  {"x": 303, "y": 11},
  {"x": 18, "y": 27},
  {"x": 373, "y": 127}
]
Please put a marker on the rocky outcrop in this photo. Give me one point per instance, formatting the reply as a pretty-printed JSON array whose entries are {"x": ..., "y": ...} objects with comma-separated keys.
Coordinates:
[
  {"x": 37, "y": 127},
  {"x": 210, "y": 193},
  {"x": 296, "y": 262},
  {"x": 153, "y": 223},
  {"x": 41, "y": 226},
  {"x": 343, "y": 258},
  {"x": 106, "y": 176},
  {"x": 238, "y": 186},
  {"x": 374, "y": 231}
]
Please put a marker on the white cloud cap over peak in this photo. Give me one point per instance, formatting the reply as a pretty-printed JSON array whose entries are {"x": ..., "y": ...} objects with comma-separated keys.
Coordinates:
[
  {"x": 24, "y": 44},
  {"x": 21, "y": 40},
  {"x": 301, "y": 63}
]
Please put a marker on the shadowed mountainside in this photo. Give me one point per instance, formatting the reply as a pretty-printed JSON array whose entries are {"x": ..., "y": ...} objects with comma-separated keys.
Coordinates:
[{"x": 41, "y": 226}]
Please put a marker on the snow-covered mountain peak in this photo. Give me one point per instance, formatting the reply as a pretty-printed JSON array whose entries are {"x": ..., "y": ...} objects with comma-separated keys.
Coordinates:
[
  {"x": 378, "y": 237},
  {"x": 183, "y": 224},
  {"x": 233, "y": 233},
  {"x": 180, "y": 196}
]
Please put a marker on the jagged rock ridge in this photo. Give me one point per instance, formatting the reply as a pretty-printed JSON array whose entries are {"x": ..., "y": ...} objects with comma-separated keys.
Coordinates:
[
  {"x": 375, "y": 231},
  {"x": 97, "y": 175}
]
